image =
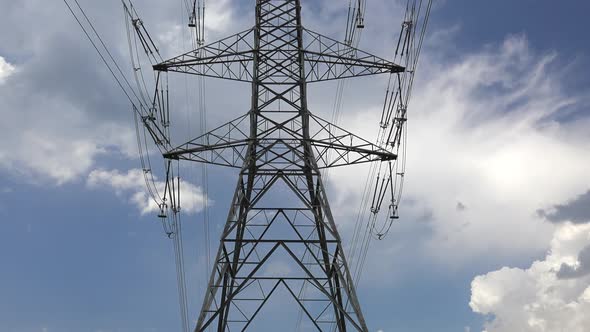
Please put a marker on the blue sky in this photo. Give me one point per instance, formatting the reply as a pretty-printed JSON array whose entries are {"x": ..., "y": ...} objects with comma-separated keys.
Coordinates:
[{"x": 498, "y": 122}]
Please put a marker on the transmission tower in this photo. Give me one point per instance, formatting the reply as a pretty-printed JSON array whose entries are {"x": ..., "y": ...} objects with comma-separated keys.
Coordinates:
[{"x": 279, "y": 211}]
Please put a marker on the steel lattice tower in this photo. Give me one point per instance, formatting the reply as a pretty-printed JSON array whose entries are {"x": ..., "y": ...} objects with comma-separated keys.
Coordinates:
[{"x": 279, "y": 210}]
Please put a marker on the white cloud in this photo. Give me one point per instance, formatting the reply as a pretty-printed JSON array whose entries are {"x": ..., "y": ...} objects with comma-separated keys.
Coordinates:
[
  {"x": 174, "y": 38},
  {"x": 536, "y": 299},
  {"x": 132, "y": 185},
  {"x": 220, "y": 15},
  {"x": 62, "y": 110},
  {"x": 6, "y": 69},
  {"x": 56, "y": 158},
  {"x": 278, "y": 268},
  {"x": 480, "y": 133},
  {"x": 53, "y": 129},
  {"x": 60, "y": 153}
]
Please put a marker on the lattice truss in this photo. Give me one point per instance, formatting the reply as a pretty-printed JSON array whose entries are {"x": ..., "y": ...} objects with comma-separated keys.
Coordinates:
[
  {"x": 258, "y": 237},
  {"x": 279, "y": 213},
  {"x": 232, "y": 57},
  {"x": 280, "y": 144}
]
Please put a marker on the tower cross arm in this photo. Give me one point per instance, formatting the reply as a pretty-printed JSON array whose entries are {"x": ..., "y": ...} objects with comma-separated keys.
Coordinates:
[
  {"x": 229, "y": 154},
  {"x": 229, "y": 58},
  {"x": 334, "y": 146},
  {"x": 225, "y": 145},
  {"x": 331, "y": 154},
  {"x": 328, "y": 59},
  {"x": 228, "y": 145}
]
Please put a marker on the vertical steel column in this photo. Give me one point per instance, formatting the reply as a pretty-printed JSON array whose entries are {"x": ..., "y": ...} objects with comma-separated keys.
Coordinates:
[{"x": 279, "y": 109}]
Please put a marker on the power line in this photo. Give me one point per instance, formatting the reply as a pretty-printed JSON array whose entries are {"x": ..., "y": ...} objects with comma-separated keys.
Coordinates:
[{"x": 283, "y": 143}]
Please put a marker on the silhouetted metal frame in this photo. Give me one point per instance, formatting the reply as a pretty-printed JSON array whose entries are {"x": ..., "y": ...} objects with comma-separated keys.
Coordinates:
[{"x": 271, "y": 145}]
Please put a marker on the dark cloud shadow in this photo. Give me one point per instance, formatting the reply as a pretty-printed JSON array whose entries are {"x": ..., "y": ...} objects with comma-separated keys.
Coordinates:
[
  {"x": 567, "y": 271},
  {"x": 576, "y": 211}
]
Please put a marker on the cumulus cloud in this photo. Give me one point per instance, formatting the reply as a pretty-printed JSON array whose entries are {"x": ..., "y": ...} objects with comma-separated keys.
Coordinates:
[
  {"x": 576, "y": 210},
  {"x": 482, "y": 133},
  {"x": 57, "y": 107},
  {"x": 132, "y": 185},
  {"x": 580, "y": 269},
  {"x": 484, "y": 149},
  {"x": 61, "y": 157},
  {"x": 220, "y": 14},
  {"x": 6, "y": 69},
  {"x": 538, "y": 298},
  {"x": 61, "y": 110}
]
